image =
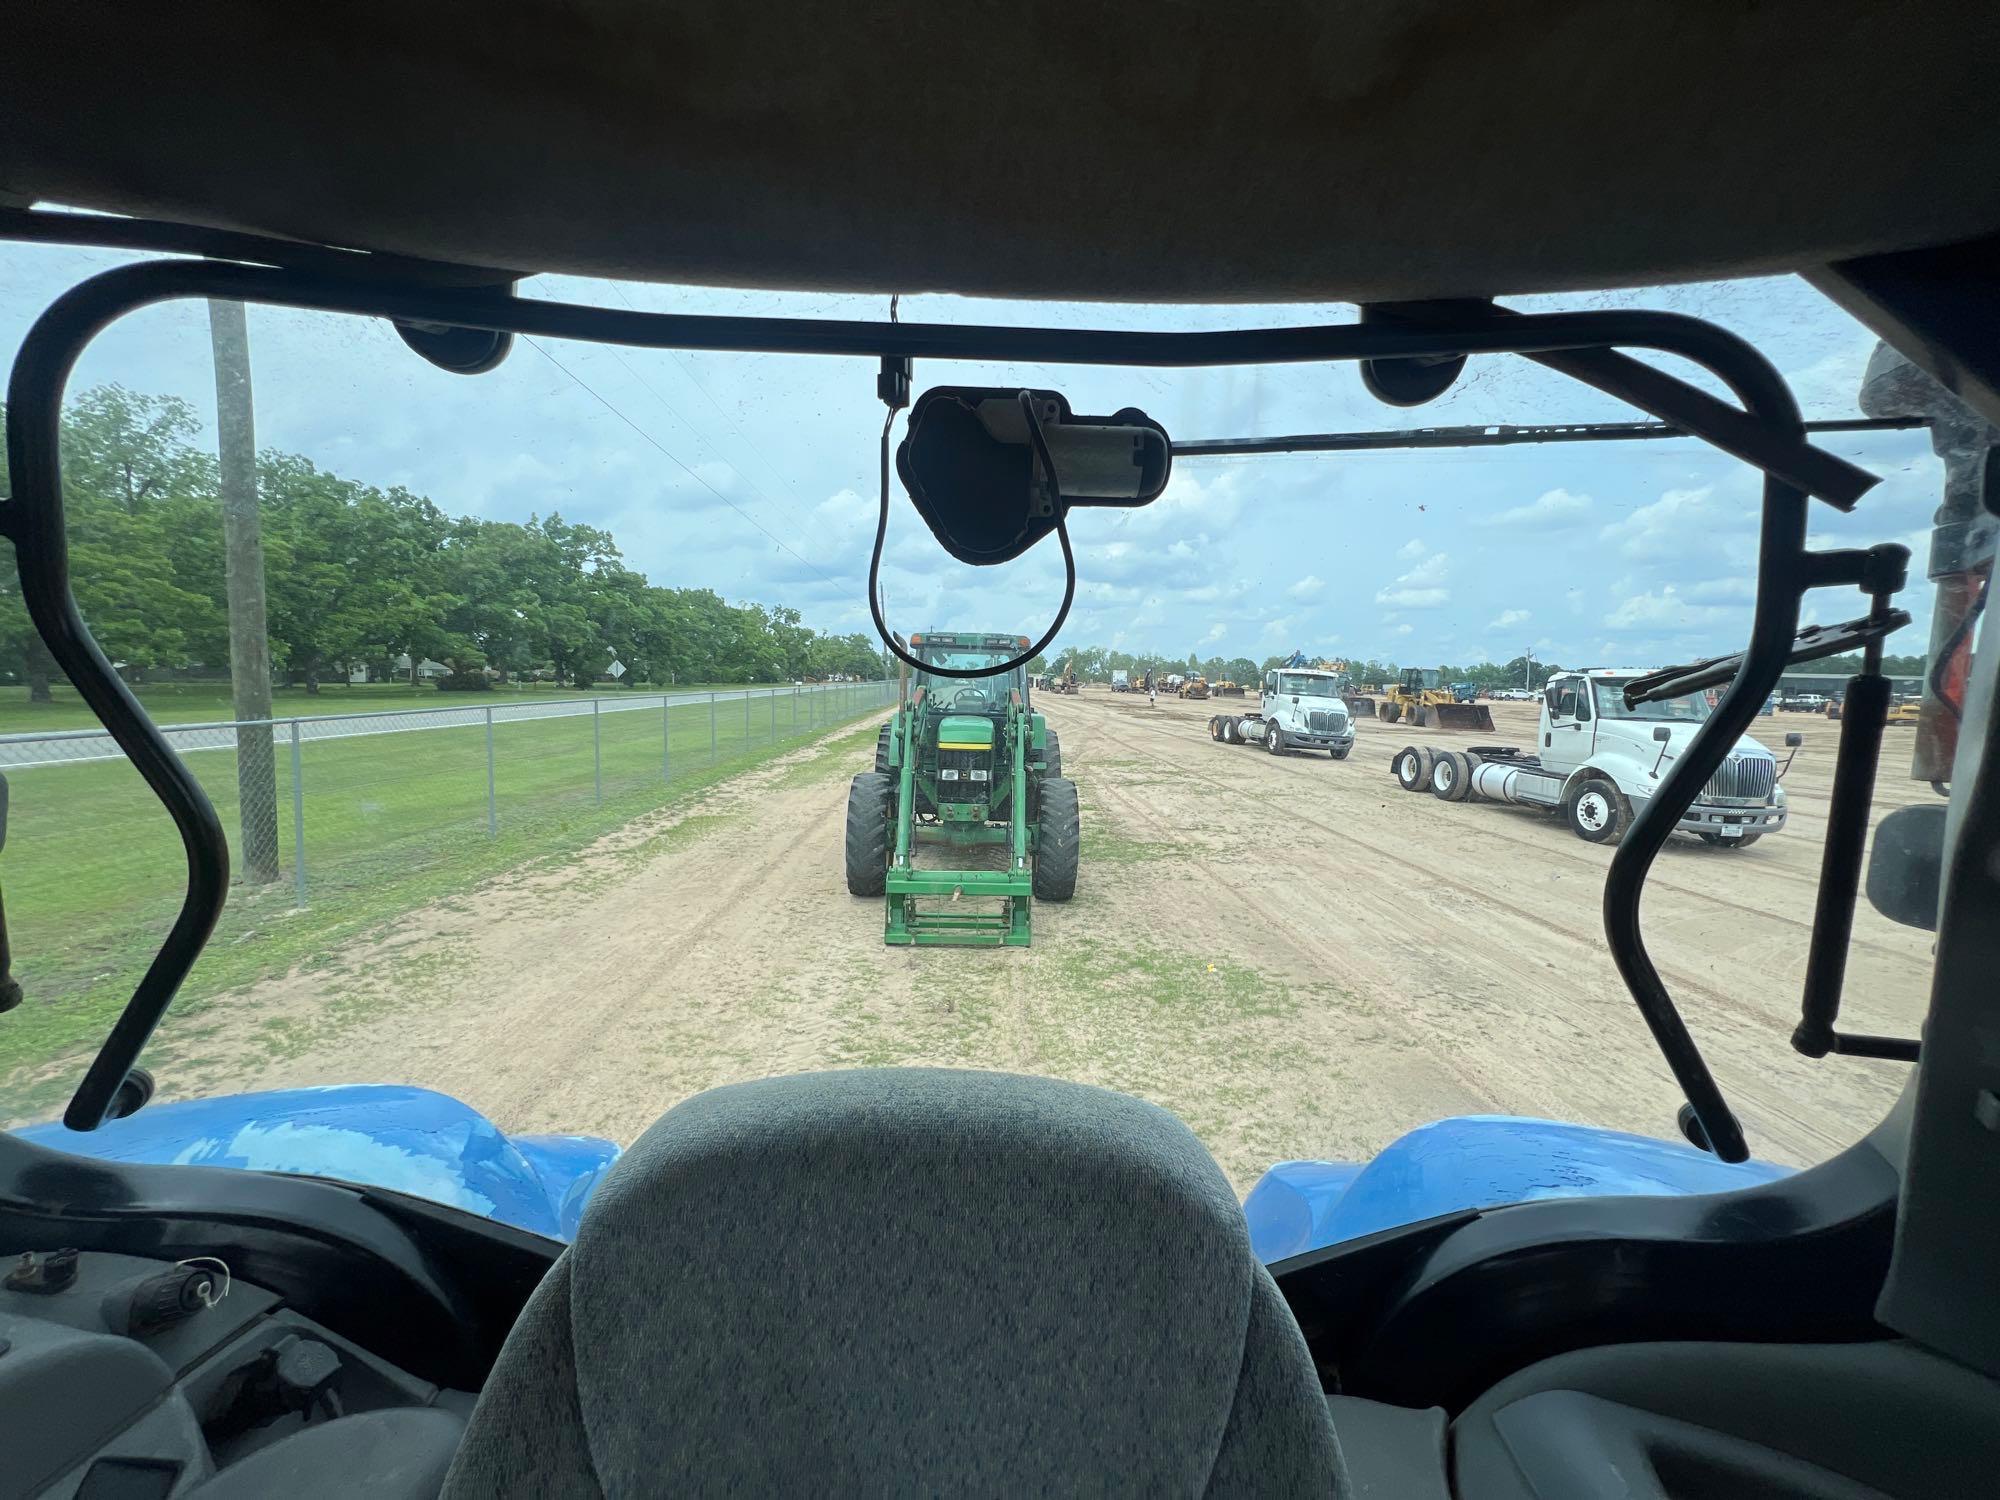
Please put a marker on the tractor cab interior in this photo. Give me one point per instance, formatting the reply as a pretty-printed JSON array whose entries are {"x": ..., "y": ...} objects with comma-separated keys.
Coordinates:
[{"x": 929, "y": 1279}]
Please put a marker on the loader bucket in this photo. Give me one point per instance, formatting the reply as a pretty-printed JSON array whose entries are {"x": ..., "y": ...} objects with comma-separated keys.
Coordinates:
[
  {"x": 1359, "y": 705},
  {"x": 1462, "y": 716}
]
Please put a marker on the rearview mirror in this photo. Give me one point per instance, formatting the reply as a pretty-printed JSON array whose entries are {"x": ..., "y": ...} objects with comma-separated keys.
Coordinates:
[
  {"x": 1906, "y": 866},
  {"x": 1794, "y": 740},
  {"x": 1662, "y": 733}
]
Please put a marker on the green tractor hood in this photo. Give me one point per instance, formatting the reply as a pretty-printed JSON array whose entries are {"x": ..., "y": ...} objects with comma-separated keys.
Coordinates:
[{"x": 965, "y": 732}]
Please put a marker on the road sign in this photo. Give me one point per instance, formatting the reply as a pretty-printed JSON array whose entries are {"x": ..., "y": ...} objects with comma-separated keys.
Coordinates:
[{"x": 615, "y": 671}]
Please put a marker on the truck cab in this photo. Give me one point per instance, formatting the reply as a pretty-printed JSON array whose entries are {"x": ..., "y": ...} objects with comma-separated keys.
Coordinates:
[{"x": 1588, "y": 734}]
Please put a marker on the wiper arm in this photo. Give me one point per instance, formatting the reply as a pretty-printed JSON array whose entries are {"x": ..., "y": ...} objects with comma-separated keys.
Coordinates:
[{"x": 1810, "y": 644}]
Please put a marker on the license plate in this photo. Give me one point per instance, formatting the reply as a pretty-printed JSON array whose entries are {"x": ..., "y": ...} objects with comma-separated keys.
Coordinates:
[{"x": 1732, "y": 830}]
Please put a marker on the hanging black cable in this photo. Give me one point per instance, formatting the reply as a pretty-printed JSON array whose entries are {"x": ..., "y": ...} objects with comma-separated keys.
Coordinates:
[{"x": 1048, "y": 463}]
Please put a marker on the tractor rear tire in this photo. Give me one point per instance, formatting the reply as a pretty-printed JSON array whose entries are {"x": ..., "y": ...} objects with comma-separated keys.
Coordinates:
[
  {"x": 1412, "y": 766},
  {"x": 1058, "y": 841},
  {"x": 882, "y": 751},
  {"x": 869, "y": 799},
  {"x": 1451, "y": 776}
]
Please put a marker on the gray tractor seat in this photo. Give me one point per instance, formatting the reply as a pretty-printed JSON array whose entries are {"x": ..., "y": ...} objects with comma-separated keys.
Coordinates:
[{"x": 906, "y": 1281}]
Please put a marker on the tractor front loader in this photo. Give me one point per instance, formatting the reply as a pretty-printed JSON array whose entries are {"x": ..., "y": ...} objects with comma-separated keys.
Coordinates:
[
  {"x": 1420, "y": 699},
  {"x": 964, "y": 763}
]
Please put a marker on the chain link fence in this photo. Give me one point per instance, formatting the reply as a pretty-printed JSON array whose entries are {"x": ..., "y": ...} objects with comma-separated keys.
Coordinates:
[{"x": 338, "y": 810}]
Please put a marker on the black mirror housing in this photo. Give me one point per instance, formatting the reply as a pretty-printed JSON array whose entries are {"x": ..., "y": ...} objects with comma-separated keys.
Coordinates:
[
  {"x": 1794, "y": 740},
  {"x": 1906, "y": 865},
  {"x": 1662, "y": 733}
]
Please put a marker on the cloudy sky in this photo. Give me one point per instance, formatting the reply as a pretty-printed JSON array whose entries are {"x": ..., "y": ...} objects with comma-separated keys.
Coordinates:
[{"x": 756, "y": 475}]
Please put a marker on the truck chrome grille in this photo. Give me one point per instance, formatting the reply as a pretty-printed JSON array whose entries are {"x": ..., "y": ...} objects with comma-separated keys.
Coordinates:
[
  {"x": 1319, "y": 721},
  {"x": 1746, "y": 778}
]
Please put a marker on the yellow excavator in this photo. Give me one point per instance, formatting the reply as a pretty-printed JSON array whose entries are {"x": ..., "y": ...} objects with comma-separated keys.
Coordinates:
[{"x": 1421, "y": 699}]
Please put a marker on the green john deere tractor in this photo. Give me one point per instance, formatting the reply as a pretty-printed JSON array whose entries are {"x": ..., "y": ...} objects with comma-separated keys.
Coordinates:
[{"x": 964, "y": 762}]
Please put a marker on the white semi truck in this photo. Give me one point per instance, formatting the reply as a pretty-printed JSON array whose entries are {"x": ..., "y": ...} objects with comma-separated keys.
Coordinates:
[
  {"x": 1298, "y": 710},
  {"x": 1598, "y": 760}
]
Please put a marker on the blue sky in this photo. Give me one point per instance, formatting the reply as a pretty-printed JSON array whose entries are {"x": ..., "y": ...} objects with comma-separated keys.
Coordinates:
[{"x": 755, "y": 475}]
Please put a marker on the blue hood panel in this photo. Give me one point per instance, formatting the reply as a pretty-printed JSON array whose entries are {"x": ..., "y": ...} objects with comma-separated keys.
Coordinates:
[
  {"x": 1478, "y": 1161},
  {"x": 406, "y": 1139}
]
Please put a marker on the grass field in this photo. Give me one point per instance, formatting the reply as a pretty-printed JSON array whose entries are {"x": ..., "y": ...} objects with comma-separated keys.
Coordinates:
[
  {"x": 93, "y": 870},
  {"x": 208, "y": 702}
]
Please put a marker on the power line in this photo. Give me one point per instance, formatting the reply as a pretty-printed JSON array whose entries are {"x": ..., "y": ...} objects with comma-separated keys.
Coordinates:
[
  {"x": 784, "y": 481},
  {"x": 601, "y": 401}
]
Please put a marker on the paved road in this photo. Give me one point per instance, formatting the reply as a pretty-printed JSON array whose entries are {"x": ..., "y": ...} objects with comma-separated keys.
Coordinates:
[{"x": 68, "y": 747}]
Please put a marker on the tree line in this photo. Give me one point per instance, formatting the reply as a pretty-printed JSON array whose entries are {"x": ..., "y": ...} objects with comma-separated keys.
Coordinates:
[{"x": 359, "y": 576}]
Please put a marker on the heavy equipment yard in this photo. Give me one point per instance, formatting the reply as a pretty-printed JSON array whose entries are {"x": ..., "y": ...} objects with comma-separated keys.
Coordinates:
[{"x": 1293, "y": 954}]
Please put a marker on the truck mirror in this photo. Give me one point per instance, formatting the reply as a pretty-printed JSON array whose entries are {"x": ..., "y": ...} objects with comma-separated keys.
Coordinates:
[
  {"x": 1794, "y": 740},
  {"x": 1662, "y": 733},
  {"x": 1906, "y": 866}
]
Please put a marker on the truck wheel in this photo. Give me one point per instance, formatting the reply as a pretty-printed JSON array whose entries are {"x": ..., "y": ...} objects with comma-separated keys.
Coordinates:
[
  {"x": 1058, "y": 841},
  {"x": 1229, "y": 736},
  {"x": 1451, "y": 777},
  {"x": 1595, "y": 813},
  {"x": 869, "y": 798},
  {"x": 882, "y": 750},
  {"x": 1717, "y": 841},
  {"x": 1339, "y": 752},
  {"x": 1412, "y": 766},
  {"x": 1274, "y": 737},
  {"x": 1215, "y": 727}
]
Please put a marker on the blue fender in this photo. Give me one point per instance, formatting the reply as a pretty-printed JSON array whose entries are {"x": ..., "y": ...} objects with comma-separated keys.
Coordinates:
[
  {"x": 406, "y": 1139},
  {"x": 1476, "y": 1161}
]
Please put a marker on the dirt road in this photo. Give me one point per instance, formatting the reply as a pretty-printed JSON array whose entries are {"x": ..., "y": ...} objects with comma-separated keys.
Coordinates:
[{"x": 1290, "y": 953}]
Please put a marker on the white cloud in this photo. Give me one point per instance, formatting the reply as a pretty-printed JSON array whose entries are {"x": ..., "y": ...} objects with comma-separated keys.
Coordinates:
[
  {"x": 1421, "y": 587},
  {"x": 1307, "y": 587},
  {"x": 1667, "y": 609},
  {"x": 1215, "y": 633},
  {"x": 1717, "y": 528},
  {"x": 1278, "y": 629},
  {"x": 1403, "y": 629},
  {"x": 1508, "y": 617},
  {"x": 1731, "y": 588},
  {"x": 1551, "y": 509},
  {"x": 1412, "y": 548}
]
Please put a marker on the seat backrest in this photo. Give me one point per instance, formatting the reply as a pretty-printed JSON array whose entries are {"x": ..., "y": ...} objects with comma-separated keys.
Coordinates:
[{"x": 902, "y": 1281}]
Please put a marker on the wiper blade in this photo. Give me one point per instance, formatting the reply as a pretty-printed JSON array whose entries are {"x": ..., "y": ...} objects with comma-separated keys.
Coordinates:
[{"x": 1810, "y": 644}]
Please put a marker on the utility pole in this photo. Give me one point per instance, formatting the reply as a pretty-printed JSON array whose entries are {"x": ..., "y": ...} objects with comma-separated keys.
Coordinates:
[
  {"x": 243, "y": 552},
  {"x": 1528, "y": 668}
]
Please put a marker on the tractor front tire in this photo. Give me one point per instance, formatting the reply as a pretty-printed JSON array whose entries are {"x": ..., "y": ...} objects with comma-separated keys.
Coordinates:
[
  {"x": 870, "y": 797},
  {"x": 1052, "y": 756},
  {"x": 1058, "y": 841},
  {"x": 882, "y": 751}
]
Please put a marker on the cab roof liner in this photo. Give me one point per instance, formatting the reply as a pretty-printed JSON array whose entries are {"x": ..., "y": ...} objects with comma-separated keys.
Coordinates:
[{"x": 1296, "y": 150}]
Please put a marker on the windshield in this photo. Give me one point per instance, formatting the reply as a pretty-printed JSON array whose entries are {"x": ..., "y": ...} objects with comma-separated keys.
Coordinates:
[
  {"x": 544, "y": 748},
  {"x": 1688, "y": 708},
  {"x": 975, "y": 693},
  {"x": 1306, "y": 686}
]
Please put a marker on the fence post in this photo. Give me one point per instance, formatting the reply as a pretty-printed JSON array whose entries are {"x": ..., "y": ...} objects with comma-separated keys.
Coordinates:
[
  {"x": 597, "y": 744},
  {"x": 492, "y": 806},
  {"x": 746, "y": 718},
  {"x": 298, "y": 818},
  {"x": 666, "y": 739},
  {"x": 774, "y": 716},
  {"x": 711, "y": 726}
]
